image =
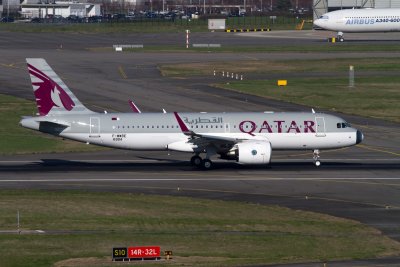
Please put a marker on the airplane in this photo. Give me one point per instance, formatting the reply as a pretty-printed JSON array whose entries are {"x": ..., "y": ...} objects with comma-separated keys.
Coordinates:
[
  {"x": 360, "y": 20},
  {"x": 245, "y": 137}
]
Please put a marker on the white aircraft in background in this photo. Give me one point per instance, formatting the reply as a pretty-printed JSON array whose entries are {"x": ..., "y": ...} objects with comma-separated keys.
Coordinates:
[
  {"x": 360, "y": 20},
  {"x": 246, "y": 137}
]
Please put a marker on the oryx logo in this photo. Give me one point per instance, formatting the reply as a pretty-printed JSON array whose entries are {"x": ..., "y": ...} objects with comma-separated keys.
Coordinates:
[
  {"x": 254, "y": 152},
  {"x": 48, "y": 93}
]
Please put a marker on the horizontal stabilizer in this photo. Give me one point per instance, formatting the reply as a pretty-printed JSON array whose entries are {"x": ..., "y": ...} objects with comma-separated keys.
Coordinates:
[{"x": 56, "y": 123}]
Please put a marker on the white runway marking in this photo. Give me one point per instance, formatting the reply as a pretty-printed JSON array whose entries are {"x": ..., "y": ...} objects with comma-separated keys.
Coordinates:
[{"x": 192, "y": 179}]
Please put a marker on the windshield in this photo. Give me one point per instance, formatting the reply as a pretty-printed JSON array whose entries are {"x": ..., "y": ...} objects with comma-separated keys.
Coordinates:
[{"x": 343, "y": 125}]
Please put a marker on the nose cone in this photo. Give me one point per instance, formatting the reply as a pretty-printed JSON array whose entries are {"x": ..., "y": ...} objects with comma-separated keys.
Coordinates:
[
  {"x": 360, "y": 137},
  {"x": 317, "y": 23}
]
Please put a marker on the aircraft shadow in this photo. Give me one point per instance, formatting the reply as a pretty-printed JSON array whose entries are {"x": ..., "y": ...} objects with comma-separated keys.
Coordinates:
[{"x": 167, "y": 165}]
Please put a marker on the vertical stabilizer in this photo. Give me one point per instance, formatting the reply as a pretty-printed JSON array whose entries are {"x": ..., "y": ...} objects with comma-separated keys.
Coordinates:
[{"x": 53, "y": 97}]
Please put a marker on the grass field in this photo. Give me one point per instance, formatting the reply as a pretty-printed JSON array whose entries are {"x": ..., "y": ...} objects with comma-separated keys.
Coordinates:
[
  {"x": 83, "y": 227},
  {"x": 17, "y": 140},
  {"x": 373, "y": 96},
  {"x": 282, "y": 66}
]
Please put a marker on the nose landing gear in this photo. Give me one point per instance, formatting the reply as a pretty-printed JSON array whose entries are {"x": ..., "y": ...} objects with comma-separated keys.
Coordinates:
[
  {"x": 340, "y": 37},
  {"x": 316, "y": 156}
]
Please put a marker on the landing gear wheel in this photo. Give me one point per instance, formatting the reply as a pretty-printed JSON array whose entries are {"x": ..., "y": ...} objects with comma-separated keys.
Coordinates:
[
  {"x": 207, "y": 164},
  {"x": 317, "y": 162},
  {"x": 340, "y": 37},
  {"x": 196, "y": 161}
]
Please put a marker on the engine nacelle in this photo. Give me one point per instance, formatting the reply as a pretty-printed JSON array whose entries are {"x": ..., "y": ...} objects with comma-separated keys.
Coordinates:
[{"x": 254, "y": 152}]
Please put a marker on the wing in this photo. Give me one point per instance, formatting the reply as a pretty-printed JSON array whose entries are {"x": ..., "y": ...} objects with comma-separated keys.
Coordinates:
[{"x": 204, "y": 140}]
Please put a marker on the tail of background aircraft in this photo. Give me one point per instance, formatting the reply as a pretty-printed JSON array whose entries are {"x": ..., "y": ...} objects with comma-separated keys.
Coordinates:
[{"x": 53, "y": 97}]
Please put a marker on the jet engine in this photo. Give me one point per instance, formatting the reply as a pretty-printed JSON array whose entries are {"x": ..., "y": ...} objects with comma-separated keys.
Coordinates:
[{"x": 253, "y": 152}]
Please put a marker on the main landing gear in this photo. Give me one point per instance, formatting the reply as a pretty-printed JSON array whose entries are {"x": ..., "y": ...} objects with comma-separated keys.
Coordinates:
[
  {"x": 198, "y": 162},
  {"x": 317, "y": 162}
]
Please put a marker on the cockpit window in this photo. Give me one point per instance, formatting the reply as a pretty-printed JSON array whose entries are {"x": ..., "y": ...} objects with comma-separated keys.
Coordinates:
[
  {"x": 324, "y": 17},
  {"x": 343, "y": 125}
]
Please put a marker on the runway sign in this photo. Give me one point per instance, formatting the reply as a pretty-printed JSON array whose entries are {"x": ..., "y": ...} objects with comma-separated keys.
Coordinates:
[
  {"x": 282, "y": 82},
  {"x": 143, "y": 252},
  {"x": 168, "y": 254},
  {"x": 216, "y": 24},
  {"x": 120, "y": 253},
  {"x": 136, "y": 253}
]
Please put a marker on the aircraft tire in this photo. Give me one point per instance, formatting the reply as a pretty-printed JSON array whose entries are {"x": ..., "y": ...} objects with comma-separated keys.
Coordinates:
[
  {"x": 207, "y": 164},
  {"x": 196, "y": 161}
]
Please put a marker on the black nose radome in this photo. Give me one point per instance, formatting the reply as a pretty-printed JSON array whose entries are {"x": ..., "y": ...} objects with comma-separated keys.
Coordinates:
[{"x": 360, "y": 137}]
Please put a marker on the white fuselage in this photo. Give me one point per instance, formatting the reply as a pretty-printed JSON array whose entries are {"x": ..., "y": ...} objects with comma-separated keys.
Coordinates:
[
  {"x": 135, "y": 141},
  {"x": 361, "y": 20},
  {"x": 161, "y": 131}
]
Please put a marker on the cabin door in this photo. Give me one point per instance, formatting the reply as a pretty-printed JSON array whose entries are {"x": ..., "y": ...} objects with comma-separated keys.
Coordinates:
[{"x": 94, "y": 127}]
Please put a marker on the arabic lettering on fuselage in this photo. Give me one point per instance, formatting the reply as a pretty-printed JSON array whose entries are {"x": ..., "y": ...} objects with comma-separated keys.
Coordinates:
[
  {"x": 363, "y": 21},
  {"x": 203, "y": 120},
  {"x": 250, "y": 127}
]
